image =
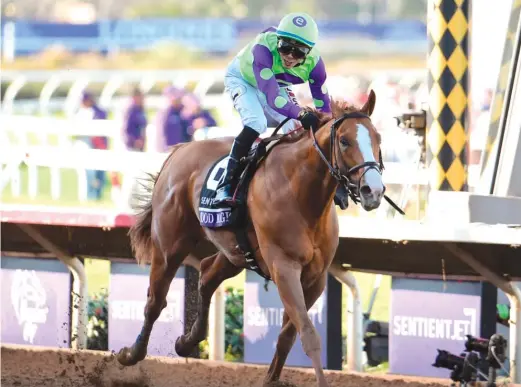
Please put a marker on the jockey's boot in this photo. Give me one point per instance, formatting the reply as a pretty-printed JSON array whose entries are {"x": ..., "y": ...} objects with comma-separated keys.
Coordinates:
[
  {"x": 240, "y": 149},
  {"x": 225, "y": 191}
]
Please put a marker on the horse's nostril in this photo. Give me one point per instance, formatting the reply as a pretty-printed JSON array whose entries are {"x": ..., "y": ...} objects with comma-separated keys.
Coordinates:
[{"x": 365, "y": 190}]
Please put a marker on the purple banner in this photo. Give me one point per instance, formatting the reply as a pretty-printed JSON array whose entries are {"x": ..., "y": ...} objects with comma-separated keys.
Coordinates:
[
  {"x": 127, "y": 298},
  {"x": 428, "y": 315},
  {"x": 263, "y": 311},
  {"x": 35, "y": 302}
]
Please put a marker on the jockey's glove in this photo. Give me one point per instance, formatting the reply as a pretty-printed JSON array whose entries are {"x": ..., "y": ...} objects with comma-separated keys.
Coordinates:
[{"x": 309, "y": 120}]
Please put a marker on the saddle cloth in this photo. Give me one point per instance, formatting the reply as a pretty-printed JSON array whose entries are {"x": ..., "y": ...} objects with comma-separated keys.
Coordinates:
[{"x": 209, "y": 216}]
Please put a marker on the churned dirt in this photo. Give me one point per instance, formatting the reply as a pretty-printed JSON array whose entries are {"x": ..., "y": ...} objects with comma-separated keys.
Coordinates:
[{"x": 45, "y": 367}]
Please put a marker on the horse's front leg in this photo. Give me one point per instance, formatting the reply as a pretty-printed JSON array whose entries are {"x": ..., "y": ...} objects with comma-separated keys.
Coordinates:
[
  {"x": 288, "y": 332},
  {"x": 287, "y": 276},
  {"x": 162, "y": 272},
  {"x": 214, "y": 270}
]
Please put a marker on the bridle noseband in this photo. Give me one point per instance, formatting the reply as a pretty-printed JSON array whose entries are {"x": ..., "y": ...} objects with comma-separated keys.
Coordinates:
[{"x": 352, "y": 187}]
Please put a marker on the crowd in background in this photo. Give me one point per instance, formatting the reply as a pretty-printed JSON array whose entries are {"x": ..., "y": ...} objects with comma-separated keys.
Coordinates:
[{"x": 182, "y": 114}]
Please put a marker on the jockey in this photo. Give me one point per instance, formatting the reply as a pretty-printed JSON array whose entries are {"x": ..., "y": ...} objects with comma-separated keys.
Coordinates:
[{"x": 258, "y": 80}]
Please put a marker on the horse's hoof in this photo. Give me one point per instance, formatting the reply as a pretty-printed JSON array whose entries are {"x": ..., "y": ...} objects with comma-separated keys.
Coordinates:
[
  {"x": 181, "y": 347},
  {"x": 127, "y": 357}
]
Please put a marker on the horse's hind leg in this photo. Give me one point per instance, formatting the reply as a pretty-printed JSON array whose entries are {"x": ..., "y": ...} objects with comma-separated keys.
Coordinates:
[
  {"x": 214, "y": 270},
  {"x": 287, "y": 276},
  {"x": 162, "y": 272},
  {"x": 288, "y": 333}
]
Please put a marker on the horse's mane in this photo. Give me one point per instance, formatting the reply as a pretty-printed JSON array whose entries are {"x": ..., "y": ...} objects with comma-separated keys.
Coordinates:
[{"x": 323, "y": 118}]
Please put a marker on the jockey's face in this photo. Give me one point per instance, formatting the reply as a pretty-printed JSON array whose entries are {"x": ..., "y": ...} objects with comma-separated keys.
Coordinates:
[{"x": 291, "y": 52}]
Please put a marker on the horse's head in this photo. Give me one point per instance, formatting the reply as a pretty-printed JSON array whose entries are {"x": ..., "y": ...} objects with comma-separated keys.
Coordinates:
[{"x": 355, "y": 148}]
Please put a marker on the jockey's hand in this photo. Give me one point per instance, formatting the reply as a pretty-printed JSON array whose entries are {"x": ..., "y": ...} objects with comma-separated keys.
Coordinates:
[{"x": 309, "y": 120}]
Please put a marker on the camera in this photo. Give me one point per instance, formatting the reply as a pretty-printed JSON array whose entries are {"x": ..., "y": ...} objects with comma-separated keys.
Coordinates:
[
  {"x": 497, "y": 351},
  {"x": 464, "y": 367},
  {"x": 416, "y": 120},
  {"x": 480, "y": 354},
  {"x": 477, "y": 344},
  {"x": 447, "y": 360}
]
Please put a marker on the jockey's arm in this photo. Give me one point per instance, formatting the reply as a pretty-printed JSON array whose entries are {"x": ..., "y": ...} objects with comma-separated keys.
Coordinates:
[
  {"x": 317, "y": 86},
  {"x": 268, "y": 85}
]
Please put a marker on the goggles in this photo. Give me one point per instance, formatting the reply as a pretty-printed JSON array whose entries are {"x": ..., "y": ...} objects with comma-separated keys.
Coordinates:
[{"x": 286, "y": 48}]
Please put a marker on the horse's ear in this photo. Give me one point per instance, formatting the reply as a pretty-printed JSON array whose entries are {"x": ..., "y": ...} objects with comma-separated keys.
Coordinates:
[
  {"x": 336, "y": 110},
  {"x": 369, "y": 105}
]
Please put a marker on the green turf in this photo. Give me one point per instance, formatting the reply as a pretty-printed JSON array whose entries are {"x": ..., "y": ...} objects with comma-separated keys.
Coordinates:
[{"x": 68, "y": 193}]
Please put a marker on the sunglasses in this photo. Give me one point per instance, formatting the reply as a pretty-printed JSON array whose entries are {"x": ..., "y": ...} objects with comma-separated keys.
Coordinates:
[{"x": 298, "y": 52}]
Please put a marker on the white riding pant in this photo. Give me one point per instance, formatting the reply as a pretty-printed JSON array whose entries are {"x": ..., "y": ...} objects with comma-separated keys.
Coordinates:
[{"x": 251, "y": 103}]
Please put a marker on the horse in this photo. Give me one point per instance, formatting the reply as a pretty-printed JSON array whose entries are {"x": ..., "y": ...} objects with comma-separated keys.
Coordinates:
[{"x": 291, "y": 219}]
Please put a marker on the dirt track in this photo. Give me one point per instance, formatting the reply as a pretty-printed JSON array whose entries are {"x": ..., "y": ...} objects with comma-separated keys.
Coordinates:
[{"x": 44, "y": 367}]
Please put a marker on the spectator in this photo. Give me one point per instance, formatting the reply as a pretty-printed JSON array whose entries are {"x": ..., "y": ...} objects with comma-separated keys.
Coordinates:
[
  {"x": 135, "y": 123},
  {"x": 89, "y": 110},
  {"x": 195, "y": 116},
  {"x": 171, "y": 127}
]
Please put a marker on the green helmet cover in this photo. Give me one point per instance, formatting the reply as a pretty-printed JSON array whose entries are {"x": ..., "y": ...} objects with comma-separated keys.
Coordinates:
[{"x": 300, "y": 27}]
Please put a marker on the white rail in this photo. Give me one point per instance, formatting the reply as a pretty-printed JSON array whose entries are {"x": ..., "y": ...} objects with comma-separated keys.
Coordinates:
[
  {"x": 208, "y": 85},
  {"x": 51, "y": 142}
]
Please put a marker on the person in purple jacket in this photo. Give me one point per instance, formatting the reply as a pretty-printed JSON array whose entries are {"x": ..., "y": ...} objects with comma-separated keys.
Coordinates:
[
  {"x": 258, "y": 81},
  {"x": 195, "y": 116},
  {"x": 170, "y": 125},
  {"x": 135, "y": 123}
]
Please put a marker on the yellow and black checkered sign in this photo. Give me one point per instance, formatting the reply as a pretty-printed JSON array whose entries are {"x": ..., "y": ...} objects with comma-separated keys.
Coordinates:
[
  {"x": 502, "y": 82},
  {"x": 448, "y": 33}
]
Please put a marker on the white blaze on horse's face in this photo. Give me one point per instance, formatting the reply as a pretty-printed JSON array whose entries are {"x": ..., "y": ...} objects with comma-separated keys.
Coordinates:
[{"x": 371, "y": 185}]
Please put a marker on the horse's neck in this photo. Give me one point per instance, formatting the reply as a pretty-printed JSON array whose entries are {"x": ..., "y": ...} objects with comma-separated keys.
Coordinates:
[{"x": 316, "y": 186}]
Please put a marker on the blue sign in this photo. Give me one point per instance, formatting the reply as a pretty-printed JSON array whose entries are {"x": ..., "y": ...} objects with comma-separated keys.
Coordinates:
[
  {"x": 209, "y": 35},
  {"x": 263, "y": 311},
  {"x": 216, "y": 35},
  {"x": 31, "y": 37},
  {"x": 401, "y": 30}
]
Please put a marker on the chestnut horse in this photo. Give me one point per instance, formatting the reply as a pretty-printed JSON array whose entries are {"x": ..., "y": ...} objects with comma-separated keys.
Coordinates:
[{"x": 293, "y": 222}]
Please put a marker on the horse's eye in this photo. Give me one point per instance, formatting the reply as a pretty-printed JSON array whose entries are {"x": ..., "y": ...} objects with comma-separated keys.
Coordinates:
[{"x": 344, "y": 141}]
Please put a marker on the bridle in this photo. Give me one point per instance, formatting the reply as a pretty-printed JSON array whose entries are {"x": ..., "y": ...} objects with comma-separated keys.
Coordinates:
[{"x": 352, "y": 187}]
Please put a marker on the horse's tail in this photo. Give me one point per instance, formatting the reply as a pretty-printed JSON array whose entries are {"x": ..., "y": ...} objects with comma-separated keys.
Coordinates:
[{"x": 141, "y": 232}]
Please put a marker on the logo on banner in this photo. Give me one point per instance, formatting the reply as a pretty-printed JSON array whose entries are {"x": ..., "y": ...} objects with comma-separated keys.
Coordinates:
[
  {"x": 437, "y": 328},
  {"x": 29, "y": 300},
  {"x": 258, "y": 316},
  {"x": 133, "y": 310}
]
